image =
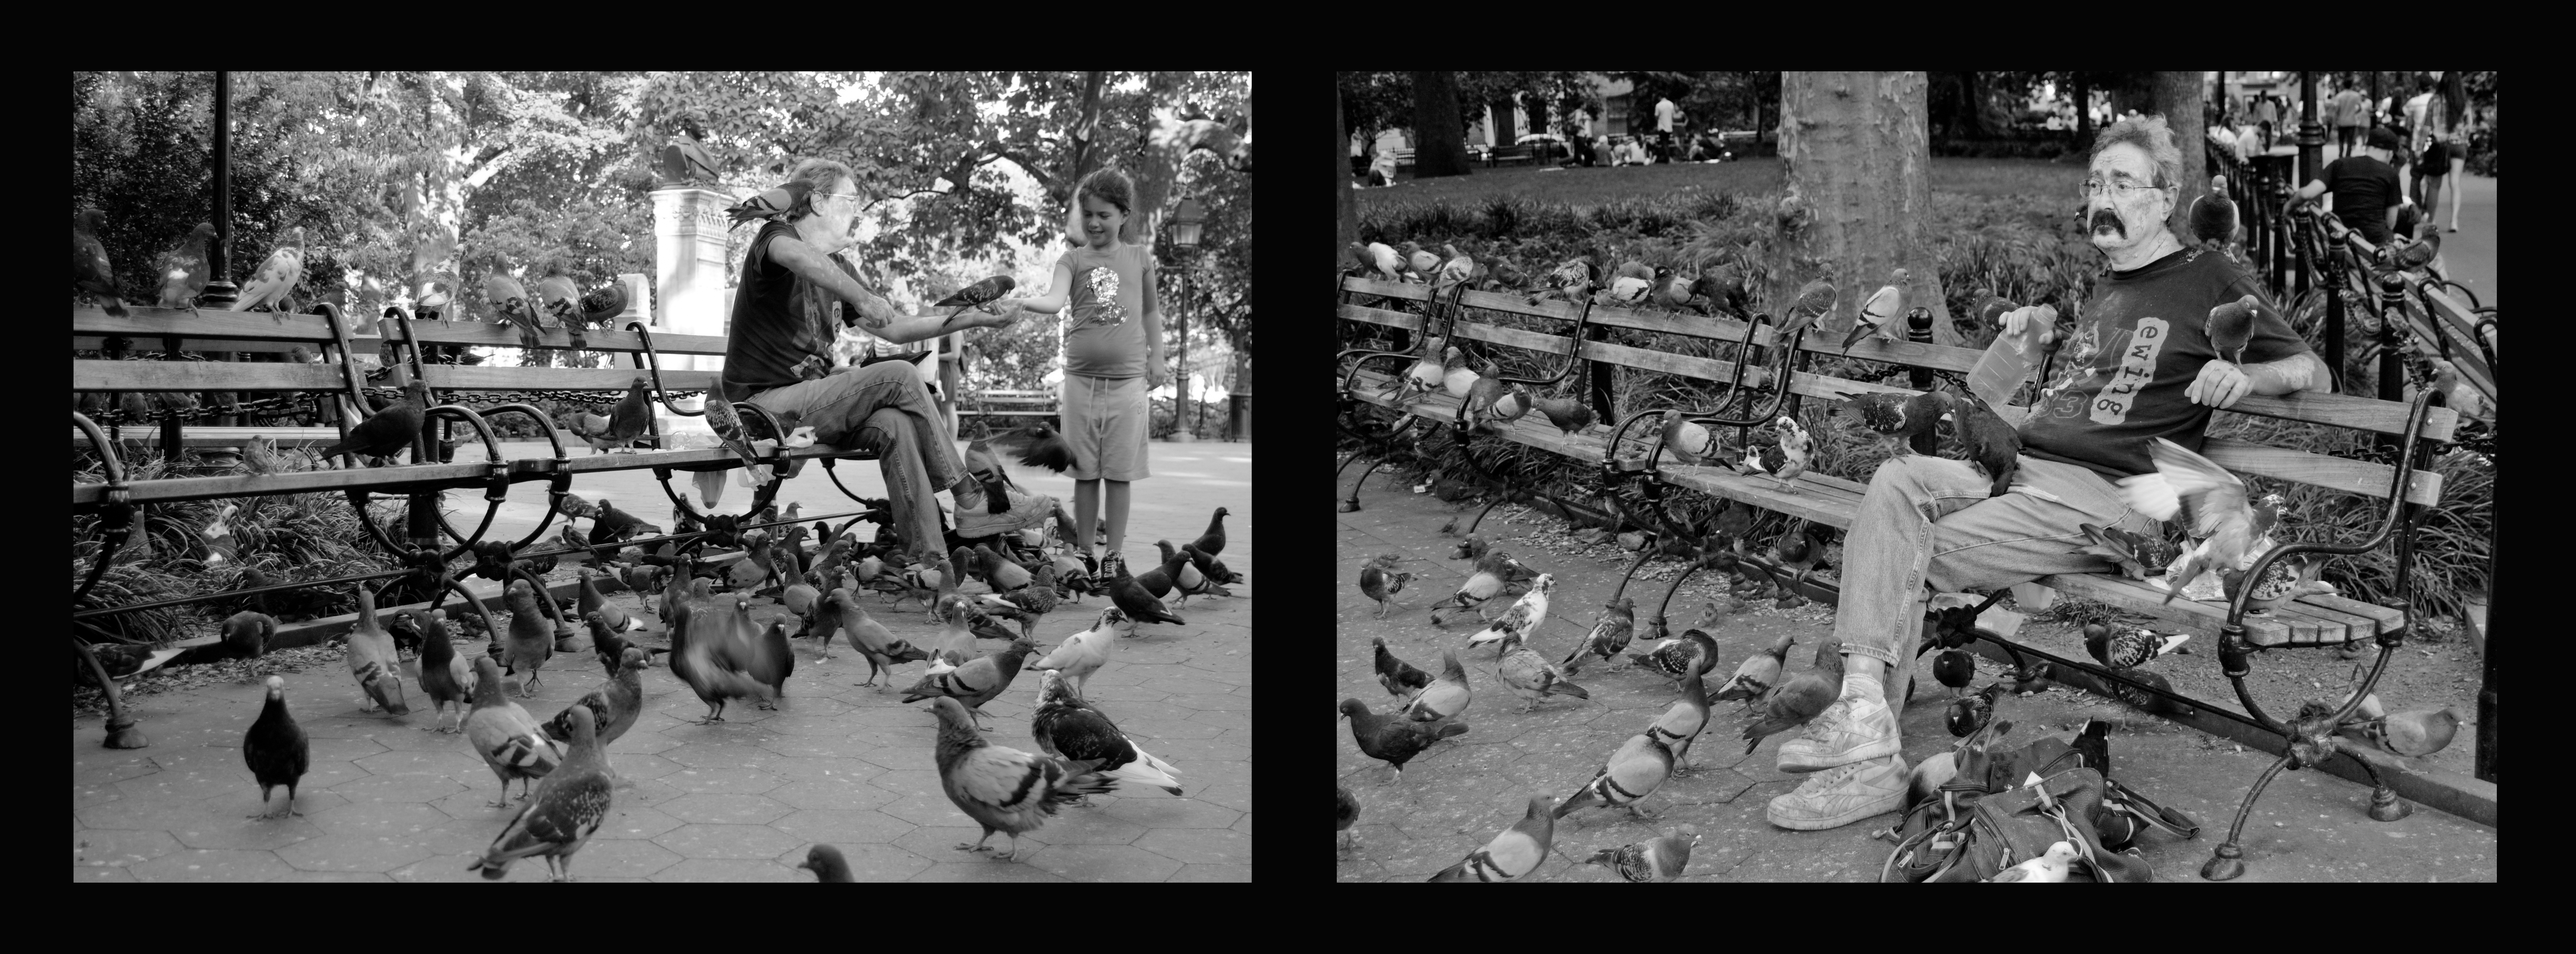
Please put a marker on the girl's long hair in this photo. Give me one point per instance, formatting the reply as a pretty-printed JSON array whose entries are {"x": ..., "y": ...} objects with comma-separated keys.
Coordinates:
[{"x": 1113, "y": 187}]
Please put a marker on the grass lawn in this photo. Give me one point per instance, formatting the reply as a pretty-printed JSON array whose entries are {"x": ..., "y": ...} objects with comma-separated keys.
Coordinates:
[{"x": 1583, "y": 187}]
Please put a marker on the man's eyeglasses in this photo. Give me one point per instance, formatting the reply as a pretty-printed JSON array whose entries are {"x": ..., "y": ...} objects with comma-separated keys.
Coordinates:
[
  {"x": 838, "y": 195},
  {"x": 2122, "y": 191}
]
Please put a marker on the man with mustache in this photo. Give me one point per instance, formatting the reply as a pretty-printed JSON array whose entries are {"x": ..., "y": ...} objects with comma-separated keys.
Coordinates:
[{"x": 2139, "y": 366}]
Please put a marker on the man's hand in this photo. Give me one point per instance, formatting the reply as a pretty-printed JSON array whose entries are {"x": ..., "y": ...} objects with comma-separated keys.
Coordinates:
[
  {"x": 1005, "y": 314},
  {"x": 1154, "y": 373},
  {"x": 2221, "y": 384}
]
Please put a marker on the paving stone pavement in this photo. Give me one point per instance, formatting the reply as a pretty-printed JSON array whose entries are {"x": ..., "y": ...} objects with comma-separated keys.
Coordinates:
[
  {"x": 739, "y": 800},
  {"x": 1457, "y": 795}
]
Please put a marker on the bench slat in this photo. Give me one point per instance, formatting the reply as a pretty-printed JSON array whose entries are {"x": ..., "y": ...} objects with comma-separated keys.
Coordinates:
[
  {"x": 219, "y": 327},
  {"x": 1832, "y": 501},
  {"x": 2350, "y": 476},
  {"x": 103, "y": 375},
  {"x": 471, "y": 464},
  {"x": 2341, "y": 410}
]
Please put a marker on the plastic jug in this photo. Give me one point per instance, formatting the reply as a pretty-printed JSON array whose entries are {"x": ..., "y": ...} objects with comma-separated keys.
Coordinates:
[{"x": 2011, "y": 359}]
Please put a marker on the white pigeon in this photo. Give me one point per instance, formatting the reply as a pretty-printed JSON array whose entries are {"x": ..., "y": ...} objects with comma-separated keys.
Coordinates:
[
  {"x": 1519, "y": 622},
  {"x": 2049, "y": 868}
]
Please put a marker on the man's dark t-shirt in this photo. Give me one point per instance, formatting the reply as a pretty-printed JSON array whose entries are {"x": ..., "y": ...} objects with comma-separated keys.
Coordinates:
[
  {"x": 2364, "y": 188},
  {"x": 782, "y": 327},
  {"x": 2118, "y": 382}
]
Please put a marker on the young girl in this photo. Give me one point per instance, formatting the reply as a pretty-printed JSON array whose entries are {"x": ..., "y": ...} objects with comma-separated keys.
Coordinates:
[{"x": 1113, "y": 350}]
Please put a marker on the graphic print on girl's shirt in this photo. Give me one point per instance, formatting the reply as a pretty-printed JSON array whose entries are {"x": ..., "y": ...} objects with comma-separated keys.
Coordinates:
[{"x": 1095, "y": 298}]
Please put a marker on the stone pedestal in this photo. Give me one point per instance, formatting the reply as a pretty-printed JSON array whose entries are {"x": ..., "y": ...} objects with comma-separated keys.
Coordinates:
[{"x": 689, "y": 255}]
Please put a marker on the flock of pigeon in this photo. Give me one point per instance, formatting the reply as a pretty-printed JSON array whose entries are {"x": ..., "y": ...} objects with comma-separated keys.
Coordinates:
[
  {"x": 2228, "y": 530},
  {"x": 565, "y": 776},
  {"x": 1428, "y": 707}
]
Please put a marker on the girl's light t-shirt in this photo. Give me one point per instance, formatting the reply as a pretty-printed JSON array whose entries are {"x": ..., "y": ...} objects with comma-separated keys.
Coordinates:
[{"x": 1104, "y": 332}]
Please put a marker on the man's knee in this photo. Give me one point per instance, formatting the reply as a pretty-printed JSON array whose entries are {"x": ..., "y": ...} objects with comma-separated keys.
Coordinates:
[{"x": 883, "y": 432}]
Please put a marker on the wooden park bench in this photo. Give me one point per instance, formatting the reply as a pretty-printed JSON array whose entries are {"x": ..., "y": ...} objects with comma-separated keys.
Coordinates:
[
  {"x": 478, "y": 461},
  {"x": 1506, "y": 154},
  {"x": 1829, "y": 500},
  {"x": 1013, "y": 408}
]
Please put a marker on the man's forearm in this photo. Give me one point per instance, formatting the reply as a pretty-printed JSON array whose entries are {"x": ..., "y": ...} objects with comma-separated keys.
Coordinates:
[
  {"x": 905, "y": 329},
  {"x": 2292, "y": 374}
]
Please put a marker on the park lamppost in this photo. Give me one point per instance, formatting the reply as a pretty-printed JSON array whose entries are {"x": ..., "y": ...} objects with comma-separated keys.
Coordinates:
[{"x": 1185, "y": 236}]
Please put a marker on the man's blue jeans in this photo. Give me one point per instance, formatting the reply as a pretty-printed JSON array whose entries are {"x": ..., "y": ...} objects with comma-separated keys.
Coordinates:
[
  {"x": 884, "y": 408},
  {"x": 1928, "y": 520}
]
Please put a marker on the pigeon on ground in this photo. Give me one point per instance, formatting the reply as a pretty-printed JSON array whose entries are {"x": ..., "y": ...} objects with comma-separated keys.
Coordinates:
[
  {"x": 1514, "y": 853},
  {"x": 1532, "y": 677},
  {"x": 1520, "y": 622},
  {"x": 1753, "y": 679},
  {"x": 1609, "y": 637},
  {"x": 1393, "y": 739},
  {"x": 1655, "y": 859},
  {"x": 276, "y": 749},
  {"x": 571, "y": 805},
  {"x": 1802, "y": 697},
  {"x": 1636, "y": 770}
]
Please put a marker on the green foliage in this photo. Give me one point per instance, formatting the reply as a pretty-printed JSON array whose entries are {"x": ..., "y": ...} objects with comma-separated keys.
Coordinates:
[
  {"x": 527, "y": 169},
  {"x": 288, "y": 537}
]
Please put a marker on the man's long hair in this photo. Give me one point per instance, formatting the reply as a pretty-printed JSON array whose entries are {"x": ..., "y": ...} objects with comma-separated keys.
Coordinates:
[{"x": 824, "y": 175}]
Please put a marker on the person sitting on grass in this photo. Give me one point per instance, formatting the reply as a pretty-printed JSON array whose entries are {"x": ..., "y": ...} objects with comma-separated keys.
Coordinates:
[{"x": 1929, "y": 520}]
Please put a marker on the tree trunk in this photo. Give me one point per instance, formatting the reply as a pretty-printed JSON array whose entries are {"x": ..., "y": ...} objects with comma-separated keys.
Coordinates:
[
  {"x": 1440, "y": 138},
  {"x": 1350, "y": 211},
  {"x": 1859, "y": 157},
  {"x": 2179, "y": 95},
  {"x": 2083, "y": 114}
]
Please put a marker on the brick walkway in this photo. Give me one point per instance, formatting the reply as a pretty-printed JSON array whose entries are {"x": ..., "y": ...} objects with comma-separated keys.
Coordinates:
[
  {"x": 740, "y": 800},
  {"x": 2309, "y": 826}
]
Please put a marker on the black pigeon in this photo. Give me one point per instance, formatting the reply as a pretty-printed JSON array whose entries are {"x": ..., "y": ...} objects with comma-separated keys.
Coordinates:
[
  {"x": 1955, "y": 669},
  {"x": 276, "y": 749},
  {"x": 2213, "y": 216},
  {"x": 1393, "y": 739},
  {"x": 1039, "y": 446},
  {"x": 2231, "y": 325},
  {"x": 1971, "y": 712},
  {"x": 2094, "y": 744},
  {"x": 983, "y": 292},
  {"x": 1988, "y": 440},
  {"x": 1132, "y": 599},
  {"x": 385, "y": 434}
]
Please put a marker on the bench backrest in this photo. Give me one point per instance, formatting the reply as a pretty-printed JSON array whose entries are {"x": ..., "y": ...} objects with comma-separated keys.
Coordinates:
[
  {"x": 2245, "y": 457},
  {"x": 250, "y": 331}
]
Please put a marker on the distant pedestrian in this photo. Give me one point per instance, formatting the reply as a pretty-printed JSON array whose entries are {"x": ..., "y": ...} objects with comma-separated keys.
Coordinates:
[
  {"x": 2366, "y": 195},
  {"x": 2444, "y": 150},
  {"x": 2350, "y": 109},
  {"x": 1359, "y": 155},
  {"x": 2264, "y": 114},
  {"x": 2414, "y": 134},
  {"x": 1664, "y": 111}
]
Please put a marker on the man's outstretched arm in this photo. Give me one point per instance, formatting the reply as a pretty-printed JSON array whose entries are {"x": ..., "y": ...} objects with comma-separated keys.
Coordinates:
[{"x": 876, "y": 314}]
